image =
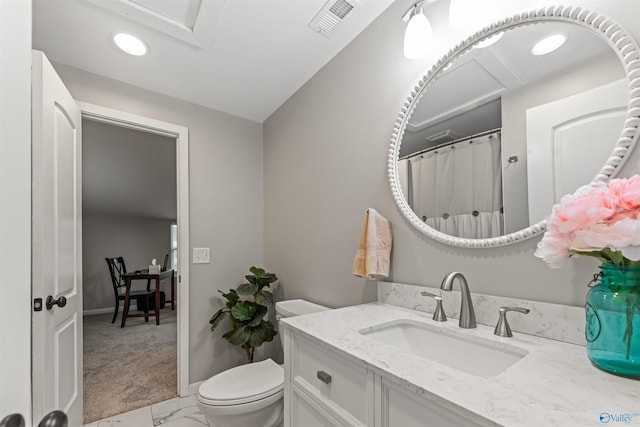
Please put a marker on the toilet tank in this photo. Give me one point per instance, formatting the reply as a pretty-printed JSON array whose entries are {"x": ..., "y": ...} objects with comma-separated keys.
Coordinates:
[{"x": 297, "y": 307}]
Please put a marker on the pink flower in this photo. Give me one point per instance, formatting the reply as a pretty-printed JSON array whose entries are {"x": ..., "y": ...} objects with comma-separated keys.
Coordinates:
[
  {"x": 627, "y": 191},
  {"x": 614, "y": 235},
  {"x": 553, "y": 250},
  {"x": 596, "y": 217},
  {"x": 588, "y": 205}
]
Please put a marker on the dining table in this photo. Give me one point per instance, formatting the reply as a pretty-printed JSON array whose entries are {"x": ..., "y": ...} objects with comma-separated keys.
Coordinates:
[{"x": 146, "y": 275}]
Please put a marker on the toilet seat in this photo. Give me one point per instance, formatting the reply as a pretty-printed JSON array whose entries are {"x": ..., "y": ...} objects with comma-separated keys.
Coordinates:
[{"x": 243, "y": 384}]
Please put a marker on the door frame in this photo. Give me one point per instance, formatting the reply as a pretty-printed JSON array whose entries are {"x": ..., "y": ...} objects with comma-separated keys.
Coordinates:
[{"x": 181, "y": 134}]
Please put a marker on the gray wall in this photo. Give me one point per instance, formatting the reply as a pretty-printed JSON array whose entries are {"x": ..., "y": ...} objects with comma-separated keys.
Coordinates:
[
  {"x": 136, "y": 239},
  {"x": 225, "y": 184},
  {"x": 325, "y": 153}
]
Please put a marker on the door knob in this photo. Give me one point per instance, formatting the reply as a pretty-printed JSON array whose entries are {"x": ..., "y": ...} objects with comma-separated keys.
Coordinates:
[
  {"x": 12, "y": 420},
  {"x": 60, "y": 302},
  {"x": 54, "y": 419}
]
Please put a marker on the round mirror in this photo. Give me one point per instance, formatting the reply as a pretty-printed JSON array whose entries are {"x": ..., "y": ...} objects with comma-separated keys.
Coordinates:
[{"x": 503, "y": 126}]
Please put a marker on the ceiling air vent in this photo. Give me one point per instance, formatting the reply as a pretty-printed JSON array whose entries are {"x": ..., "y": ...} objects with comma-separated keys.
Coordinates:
[
  {"x": 331, "y": 14},
  {"x": 443, "y": 136}
]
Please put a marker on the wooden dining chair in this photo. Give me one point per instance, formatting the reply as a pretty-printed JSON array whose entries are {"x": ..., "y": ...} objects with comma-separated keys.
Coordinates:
[
  {"x": 172, "y": 301},
  {"x": 116, "y": 269}
]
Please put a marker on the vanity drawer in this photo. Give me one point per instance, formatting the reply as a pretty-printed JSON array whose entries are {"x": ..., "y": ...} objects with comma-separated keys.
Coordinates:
[{"x": 331, "y": 378}]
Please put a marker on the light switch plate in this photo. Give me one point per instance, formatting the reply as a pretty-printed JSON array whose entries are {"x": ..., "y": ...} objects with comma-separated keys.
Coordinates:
[{"x": 200, "y": 255}]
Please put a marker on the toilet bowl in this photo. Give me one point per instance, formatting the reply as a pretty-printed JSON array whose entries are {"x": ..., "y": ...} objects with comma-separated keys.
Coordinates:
[{"x": 250, "y": 395}]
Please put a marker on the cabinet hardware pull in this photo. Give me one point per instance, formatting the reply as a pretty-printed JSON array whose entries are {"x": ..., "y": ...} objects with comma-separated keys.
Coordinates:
[{"x": 324, "y": 377}]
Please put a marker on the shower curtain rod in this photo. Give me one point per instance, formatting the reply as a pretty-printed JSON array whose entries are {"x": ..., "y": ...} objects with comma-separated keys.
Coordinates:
[{"x": 455, "y": 141}]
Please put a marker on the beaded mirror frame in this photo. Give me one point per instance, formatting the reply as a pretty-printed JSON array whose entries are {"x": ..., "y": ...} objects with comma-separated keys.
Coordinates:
[{"x": 613, "y": 34}]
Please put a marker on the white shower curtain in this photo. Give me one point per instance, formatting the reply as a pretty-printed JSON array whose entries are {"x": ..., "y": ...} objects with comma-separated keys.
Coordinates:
[{"x": 457, "y": 189}]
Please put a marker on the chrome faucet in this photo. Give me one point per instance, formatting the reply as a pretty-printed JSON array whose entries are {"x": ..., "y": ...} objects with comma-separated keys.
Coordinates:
[
  {"x": 467, "y": 315},
  {"x": 438, "y": 314},
  {"x": 502, "y": 327}
]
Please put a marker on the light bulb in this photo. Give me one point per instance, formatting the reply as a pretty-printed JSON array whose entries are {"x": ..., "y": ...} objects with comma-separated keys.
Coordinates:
[{"x": 418, "y": 35}]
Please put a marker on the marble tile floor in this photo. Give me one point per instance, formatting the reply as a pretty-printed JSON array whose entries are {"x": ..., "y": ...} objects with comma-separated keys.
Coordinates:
[{"x": 178, "y": 412}]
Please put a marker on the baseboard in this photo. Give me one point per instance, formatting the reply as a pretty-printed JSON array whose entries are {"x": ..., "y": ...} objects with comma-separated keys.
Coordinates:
[
  {"x": 193, "y": 388},
  {"x": 98, "y": 311}
]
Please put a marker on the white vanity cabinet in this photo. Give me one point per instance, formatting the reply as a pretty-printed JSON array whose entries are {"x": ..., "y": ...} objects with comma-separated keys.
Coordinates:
[
  {"x": 375, "y": 384},
  {"x": 397, "y": 406},
  {"x": 323, "y": 388},
  {"x": 326, "y": 388}
]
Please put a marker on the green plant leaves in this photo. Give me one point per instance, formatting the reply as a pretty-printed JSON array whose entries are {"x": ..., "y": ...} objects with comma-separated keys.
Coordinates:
[
  {"x": 246, "y": 312},
  {"x": 261, "y": 277},
  {"x": 262, "y": 333},
  {"x": 248, "y": 289},
  {"x": 217, "y": 318},
  {"x": 232, "y": 297},
  {"x": 607, "y": 256},
  {"x": 258, "y": 272},
  {"x": 238, "y": 335},
  {"x": 243, "y": 311},
  {"x": 249, "y": 327},
  {"x": 258, "y": 316},
  {"x": 264, "y": 297},
  {"x": 616, "y": 257}
]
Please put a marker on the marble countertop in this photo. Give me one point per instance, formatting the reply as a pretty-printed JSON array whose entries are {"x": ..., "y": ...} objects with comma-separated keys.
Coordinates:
[{"x": 553, "y": 385}]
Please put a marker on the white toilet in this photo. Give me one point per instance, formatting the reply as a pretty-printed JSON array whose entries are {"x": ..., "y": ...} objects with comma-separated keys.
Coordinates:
[{"x": 250, "y": 395}]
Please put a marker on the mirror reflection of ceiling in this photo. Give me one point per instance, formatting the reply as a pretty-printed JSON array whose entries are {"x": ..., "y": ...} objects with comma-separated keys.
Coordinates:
[{"x": 465, "y": 99}]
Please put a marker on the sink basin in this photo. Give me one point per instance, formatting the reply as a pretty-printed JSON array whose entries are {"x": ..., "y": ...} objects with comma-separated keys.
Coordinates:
[{"x": 466, "y": 353}]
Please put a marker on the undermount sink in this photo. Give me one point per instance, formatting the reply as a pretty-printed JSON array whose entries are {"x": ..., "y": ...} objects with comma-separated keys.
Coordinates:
[{"x": 466, "y": 353}]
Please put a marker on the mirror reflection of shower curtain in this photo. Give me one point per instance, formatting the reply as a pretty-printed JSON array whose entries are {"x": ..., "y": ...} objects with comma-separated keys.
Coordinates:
[{"x": 451, "y": 183}]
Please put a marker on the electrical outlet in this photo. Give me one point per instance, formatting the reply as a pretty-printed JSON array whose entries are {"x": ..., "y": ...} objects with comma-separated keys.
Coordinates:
[{"x": 201, "y": 255}]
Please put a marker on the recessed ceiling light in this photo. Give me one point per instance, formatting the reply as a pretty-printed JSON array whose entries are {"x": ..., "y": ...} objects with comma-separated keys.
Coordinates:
[
  {"x": 489, "y": 41},
  {"x": 549, "y": 44},
  {"x": 130, "y": 44}
]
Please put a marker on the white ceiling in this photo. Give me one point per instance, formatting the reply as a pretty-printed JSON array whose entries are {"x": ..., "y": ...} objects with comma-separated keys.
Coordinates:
[
  {"x": 243, "y": 57},
  {"x": 465, "y": 99}
]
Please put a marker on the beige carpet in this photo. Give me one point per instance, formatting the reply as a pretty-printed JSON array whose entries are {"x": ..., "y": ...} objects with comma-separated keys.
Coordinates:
[{"x": 128, "y": 368}]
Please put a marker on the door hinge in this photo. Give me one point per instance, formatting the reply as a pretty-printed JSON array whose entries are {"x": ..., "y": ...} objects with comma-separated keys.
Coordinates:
[
  {"x": 37, "y": 304},
  {"x": 179, "y": 278}
]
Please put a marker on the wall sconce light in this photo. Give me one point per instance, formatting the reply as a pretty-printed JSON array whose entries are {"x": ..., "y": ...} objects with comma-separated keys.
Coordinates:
[{"x": 419, "y": 35}]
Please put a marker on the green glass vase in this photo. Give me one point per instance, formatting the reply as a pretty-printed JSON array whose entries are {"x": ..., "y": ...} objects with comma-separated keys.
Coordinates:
[{"x": 613, "y": 320}]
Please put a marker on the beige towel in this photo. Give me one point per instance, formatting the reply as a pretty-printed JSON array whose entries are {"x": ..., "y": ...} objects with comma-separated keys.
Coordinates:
[{"x": 374, "y": 251}]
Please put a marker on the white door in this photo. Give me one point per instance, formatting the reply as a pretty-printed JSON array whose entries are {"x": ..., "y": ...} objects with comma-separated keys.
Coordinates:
[
  {"x": 569, "y": 141},
  {"x": 57, "y": 246}
]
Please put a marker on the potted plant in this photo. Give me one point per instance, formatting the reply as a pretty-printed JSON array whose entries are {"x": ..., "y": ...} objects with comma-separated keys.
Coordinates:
[{"x": 247, "y": 306}]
